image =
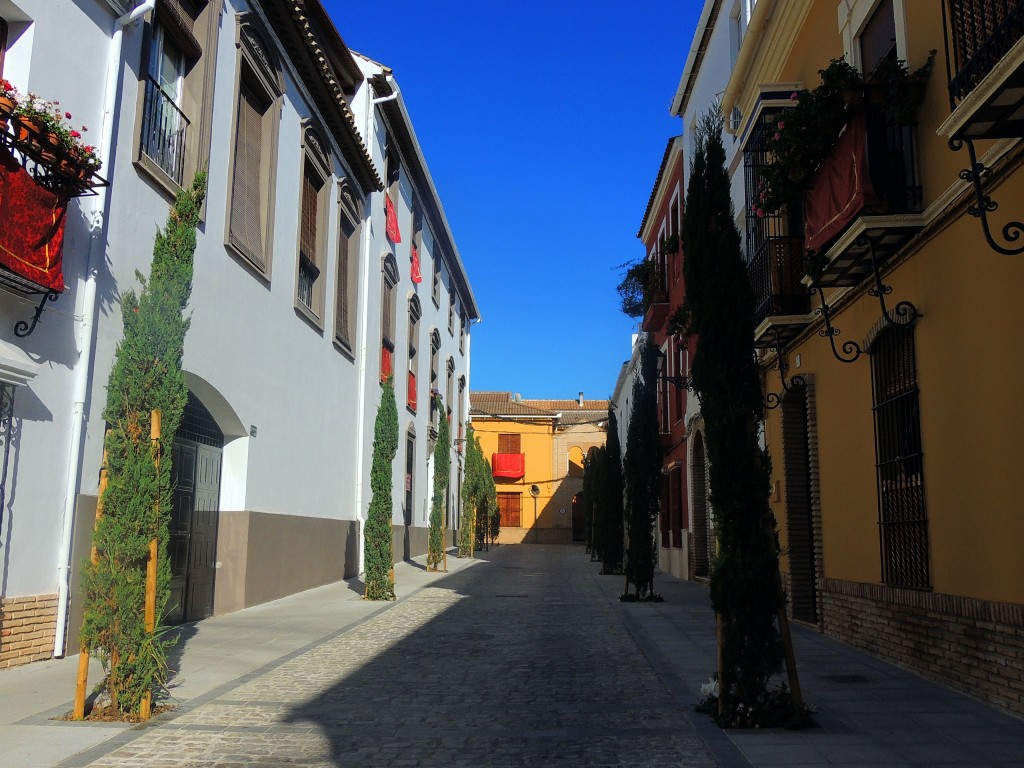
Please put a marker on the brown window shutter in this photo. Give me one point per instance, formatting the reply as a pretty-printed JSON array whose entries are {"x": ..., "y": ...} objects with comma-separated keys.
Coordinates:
[
  {"x": 246, "y": 225},
  {"x": 307, "y": 232},
  {"x": 878, "y": 40},
  {"x": 341, "y": 318}
]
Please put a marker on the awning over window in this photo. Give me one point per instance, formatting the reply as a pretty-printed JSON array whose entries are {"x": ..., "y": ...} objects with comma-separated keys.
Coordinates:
[
  {"x": 841, "y": 187},
  {"x": 31, "y": 226},
  {"x": 508, "y": 465}
]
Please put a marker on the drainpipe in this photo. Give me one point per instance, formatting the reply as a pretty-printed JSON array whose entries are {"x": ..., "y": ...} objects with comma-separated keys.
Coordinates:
[
  {"x": 87, "y": 335},
  {"x": 364, "y": 299}
]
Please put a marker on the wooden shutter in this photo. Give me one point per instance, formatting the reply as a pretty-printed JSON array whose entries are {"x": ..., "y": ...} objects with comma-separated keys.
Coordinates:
[
  {"x": 307, "y": 232},
  {"x": 510, "y": 444},
  {"x": 878, "y": 40},
  {"x": 246, "y": 222},
  {"x": 342, "y": 323},
  {"x": 509, "y": 510}
]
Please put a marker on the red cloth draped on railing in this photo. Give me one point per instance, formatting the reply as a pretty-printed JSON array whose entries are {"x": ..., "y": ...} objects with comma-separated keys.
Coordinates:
[
  {"x": 416, "y": 274},
  {"x": 391, "y": 221},
  {"x": 841, "y": 187},
  {"x": 411, "y": 395},
  {"x": 31, "y": 226},
  {"x": 510, "y": 465},
  {"x": 386, "y": 362}
]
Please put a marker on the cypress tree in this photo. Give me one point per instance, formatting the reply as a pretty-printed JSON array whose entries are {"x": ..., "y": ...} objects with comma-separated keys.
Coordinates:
[
  {"x": 588, "y": 504},
  {"x": 442, "y": 473},
  {"x": 612, "y": 525},
  {"x": 474, "y": 497},
  {"x": 719, "y": 309},
  {"x": 146, "y": 376},
  {"x": 377, "y": 534},
  {"x": 642, "y": 478}
]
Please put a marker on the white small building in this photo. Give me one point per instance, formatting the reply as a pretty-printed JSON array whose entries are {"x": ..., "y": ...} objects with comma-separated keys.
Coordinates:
[{"x": 295, "y": 278}]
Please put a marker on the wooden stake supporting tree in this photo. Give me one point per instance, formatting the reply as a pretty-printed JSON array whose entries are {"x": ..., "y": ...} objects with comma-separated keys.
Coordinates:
[{"x": 130, "y": 539}]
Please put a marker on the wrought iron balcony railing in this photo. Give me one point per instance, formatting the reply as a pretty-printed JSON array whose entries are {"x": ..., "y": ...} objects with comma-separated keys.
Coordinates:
[
  {"x": 164, "y": 127},
  {"x": 776, "y": 271},
  {"x": 978, "y": 34}
]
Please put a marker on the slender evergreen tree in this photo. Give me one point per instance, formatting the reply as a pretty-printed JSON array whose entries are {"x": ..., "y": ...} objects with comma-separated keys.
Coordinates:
[
  {"x": 379, "y": 555},
  {"x": 474, "y": 497},
  {"x": 442, "y": 474},
  {"x": 614, "y": 513},
  {"x": 146, "y": 376},
  {"x": 643, "y": 478},
  {"x": 719, "y": 310},
  {"x": 590, "y": 521}
]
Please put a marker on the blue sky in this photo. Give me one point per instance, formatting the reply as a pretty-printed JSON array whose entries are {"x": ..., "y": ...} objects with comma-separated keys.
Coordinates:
[{"x": 543, "y": 124}]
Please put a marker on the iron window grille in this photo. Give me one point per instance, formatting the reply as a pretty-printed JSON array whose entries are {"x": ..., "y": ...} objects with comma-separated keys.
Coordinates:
[
  {"x": 902, "y": 516},
  {"x": 164, "y": 127}
]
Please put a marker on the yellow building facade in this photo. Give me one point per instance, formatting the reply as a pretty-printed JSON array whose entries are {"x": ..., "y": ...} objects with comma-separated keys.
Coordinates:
[
  {"x": 897, "y": 429},
  {"x": 536, "y": 450}
]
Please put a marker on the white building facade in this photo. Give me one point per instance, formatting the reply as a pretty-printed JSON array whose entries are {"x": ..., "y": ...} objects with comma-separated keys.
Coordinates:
[{"x": 283, "y": 354}]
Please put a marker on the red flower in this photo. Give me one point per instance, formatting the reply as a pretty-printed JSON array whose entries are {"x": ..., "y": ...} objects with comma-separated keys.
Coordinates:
[
  {"x": 75, "y": 135},
  {"x": 67, "y": 115}
]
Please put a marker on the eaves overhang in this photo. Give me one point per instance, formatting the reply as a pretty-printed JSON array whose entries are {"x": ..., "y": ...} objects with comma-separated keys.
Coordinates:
[
  {"x": 699, "y": 47},
  {"x": 400, "y": 126},
  {"x": 672, "y": 148},
  {"x": 327, "y": 69}
]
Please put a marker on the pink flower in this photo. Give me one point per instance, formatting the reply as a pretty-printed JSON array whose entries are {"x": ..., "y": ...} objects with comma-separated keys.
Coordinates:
[
  {"x": 778, "y": 135},
  {"x": 75, "y": 135},
  {"x": 89, "y": 148},
  {"x": 67, "y": 115},
  {"x": 782, "y": 124},
  {"x": 793, "y": 96}
]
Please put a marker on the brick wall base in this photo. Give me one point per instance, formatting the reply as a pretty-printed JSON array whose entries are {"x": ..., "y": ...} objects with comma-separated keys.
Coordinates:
[
  {"x": 27, "y": 627},
  {"x": 974, "y": 646}
]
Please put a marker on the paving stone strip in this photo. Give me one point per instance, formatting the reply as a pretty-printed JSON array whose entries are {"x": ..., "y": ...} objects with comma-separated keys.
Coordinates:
[{"x": 519, "y": 661}]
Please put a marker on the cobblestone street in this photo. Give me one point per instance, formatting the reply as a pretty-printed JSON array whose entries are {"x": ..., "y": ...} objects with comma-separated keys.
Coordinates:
[{"x": 519, "y": 660}]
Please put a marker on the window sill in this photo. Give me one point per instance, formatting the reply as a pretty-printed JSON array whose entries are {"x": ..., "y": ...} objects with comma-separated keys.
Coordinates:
[
  {"x": 163, "y": 182},
  {"x": 248, "y": 262},
  {"x": 344, "y": 349},
  {"x": 309, "y": 316}
]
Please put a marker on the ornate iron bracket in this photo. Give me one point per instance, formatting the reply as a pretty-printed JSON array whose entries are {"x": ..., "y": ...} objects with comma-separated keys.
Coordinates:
[
  {"x": 984, "y": 204},
  {"x": 23, "y": 328},
  {"x": 904, "y": 313},
  {"x": 851, "y": 349},
  {"x": 773, "y": 399}
]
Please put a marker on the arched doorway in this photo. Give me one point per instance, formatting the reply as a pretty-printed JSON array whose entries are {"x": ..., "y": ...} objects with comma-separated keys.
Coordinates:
[
  {"x": 578, "y": 523},
  {"x": 701, "y": 523},
  {"x": 192, "y": 546}
]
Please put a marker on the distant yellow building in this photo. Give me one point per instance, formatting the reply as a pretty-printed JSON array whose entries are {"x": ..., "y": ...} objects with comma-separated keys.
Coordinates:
[{"x": 536, "y": 450}]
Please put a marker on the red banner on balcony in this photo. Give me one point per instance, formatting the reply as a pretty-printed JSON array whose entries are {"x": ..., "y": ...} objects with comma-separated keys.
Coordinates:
[
  {"x": 31, "y": 226},
  {"x": 841, "y": 187},
  {"x": 391, "y": 221},
  {"x": 411, "y": 394},
  {"x": 386, "y": 362},
  {"x": 508, "y": 465},
  {"x": 416, "y": 273}
]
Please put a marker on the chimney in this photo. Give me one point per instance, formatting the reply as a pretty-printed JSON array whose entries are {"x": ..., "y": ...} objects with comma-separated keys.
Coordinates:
[{"x": 581, "y": 399}]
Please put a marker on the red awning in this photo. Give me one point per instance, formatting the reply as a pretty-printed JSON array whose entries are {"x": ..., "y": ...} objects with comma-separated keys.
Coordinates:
[
  {"x": 31, "y": 226},
  {"x": 509, "y": 465},
  {"x": 841, "y": 187}
]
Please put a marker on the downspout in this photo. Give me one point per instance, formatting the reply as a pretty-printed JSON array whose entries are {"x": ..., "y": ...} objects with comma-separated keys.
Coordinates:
[
  {"x": 751, "y": 41},
  {"x": 85, "y": 359},
  {"x": 364, "y": 299}
]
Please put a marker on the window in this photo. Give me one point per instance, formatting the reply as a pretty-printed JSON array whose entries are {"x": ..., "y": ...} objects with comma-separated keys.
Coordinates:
[
  {"x": 902, "y": 517},
  {"x": 451, "y": 313},
  {"x": 389, "y": 280},
  {"x": 415, "y": 311},
  {"x": 174, "y": 105},
  {"x": 461, "y": 412},
  {"x": 509, "y": 443},
  {"x": 3, "y": 44},
  {"x": 463, "y": 322},
  {"x": 410, "y": 472},
  {"x": 509, "y": 508},
  {"x": 878, "y": 38},
  {"x": 436, "y": 282},
  {"x": 349, "y": 216},
  {"x": 257, "y": 110},
  {"x": 450, "y": 389},
  {"x": 315, "y": 191},
  {"x": 680, "y": 370},
  {"x": 435, "y": 358}
]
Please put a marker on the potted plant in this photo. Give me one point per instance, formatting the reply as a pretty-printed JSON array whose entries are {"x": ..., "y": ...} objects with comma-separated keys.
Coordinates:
[
  {"x": 8, "y": 102},
  {"x": 46, "y": 131}
]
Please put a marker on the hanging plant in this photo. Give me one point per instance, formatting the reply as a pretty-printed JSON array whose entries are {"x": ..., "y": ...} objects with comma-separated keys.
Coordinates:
[{"x": 801, "y": 136}]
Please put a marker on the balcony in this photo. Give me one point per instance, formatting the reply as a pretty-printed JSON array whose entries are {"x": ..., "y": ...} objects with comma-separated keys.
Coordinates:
[
  {"x": 656, "y": 294},
  {"x": 986, "y": 68},
  {"x": 863, "y": 203},
  {"x": 510, "y": 466},
  {"x": 780, "y": 298},
  {"x": 163, "y": 131}
]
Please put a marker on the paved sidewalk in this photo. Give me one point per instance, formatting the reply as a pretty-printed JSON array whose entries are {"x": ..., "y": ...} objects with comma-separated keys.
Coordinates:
[
  {"x": 523, "y": 657},
  {"x": 871, "y": 713}
]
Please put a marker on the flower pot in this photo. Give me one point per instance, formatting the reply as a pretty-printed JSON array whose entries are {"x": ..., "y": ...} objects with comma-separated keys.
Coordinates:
[
  {"x": 30, "y": 131},
  {"x": 7, "y": 106},
  {"x": 48, "y": 148}
]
